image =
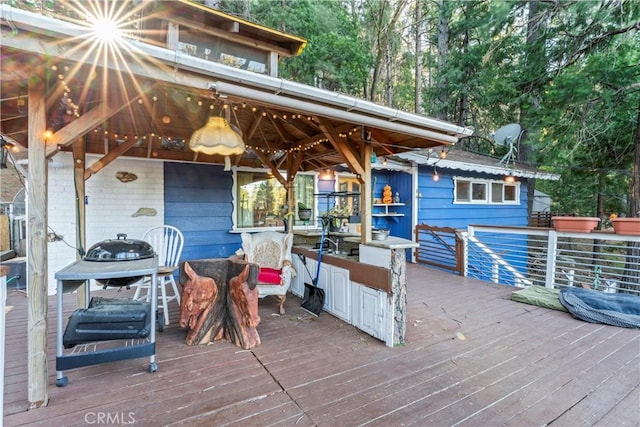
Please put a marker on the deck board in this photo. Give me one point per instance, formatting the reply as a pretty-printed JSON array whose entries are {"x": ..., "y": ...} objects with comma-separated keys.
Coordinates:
[{"x": 471, "y": 357}]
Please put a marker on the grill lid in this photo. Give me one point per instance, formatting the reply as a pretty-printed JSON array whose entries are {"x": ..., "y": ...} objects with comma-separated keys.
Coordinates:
[{"x": 120, "y": 249}]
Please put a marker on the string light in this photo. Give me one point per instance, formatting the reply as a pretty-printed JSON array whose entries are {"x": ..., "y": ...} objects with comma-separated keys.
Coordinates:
[
  {"x": 436, "y": 177},
  {"x": 166, "y": 119}
]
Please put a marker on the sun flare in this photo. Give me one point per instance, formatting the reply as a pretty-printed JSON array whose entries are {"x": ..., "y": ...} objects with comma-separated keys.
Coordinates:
[{"x": 106, "y": 30}]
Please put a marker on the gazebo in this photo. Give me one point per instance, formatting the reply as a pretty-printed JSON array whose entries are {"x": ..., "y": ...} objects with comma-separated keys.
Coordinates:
[{"x": 141, "y": 86}]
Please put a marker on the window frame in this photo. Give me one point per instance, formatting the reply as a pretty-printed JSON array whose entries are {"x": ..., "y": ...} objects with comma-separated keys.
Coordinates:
[
  {"x": 489, "y": 191},
  {"x": 234, "y": 200}
]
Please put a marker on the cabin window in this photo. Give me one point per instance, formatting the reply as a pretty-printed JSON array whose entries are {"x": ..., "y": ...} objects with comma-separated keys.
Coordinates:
[
  {"x": 211, "y": 48},
  {"x": 485, "y": 191},
  {"x": 259, "y": 199}
]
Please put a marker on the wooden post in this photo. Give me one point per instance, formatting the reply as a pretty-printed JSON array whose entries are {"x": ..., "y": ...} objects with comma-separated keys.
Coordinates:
[
  {"x": 81, "y": 229},
  {"x": 4, "y": 271},
  {"x": 366, "y": 195},
  {"x": 291, "y": 200},
  {"x": 37, "y": 258}
]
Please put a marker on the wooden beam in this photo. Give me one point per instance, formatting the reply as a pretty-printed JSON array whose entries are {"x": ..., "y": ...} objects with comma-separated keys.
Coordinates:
[
  {"x": 37, "y": 259},
  {"x": 296, "y": 158},
  {"x": 83, "y": 124},
  {"x": 99, "y": 164},
  {"x": 272, "y": 166},
  {"x": 254, "y": 126},
  {"x": 384, "y": 141},
  {"x": 338, "y": 143},
  {"x": 284, "y": 134},
  {"x": 79, "y": 159}
]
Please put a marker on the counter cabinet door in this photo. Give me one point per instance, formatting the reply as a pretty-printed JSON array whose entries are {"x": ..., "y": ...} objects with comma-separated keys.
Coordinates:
[
  {"x": 340, "y": 294},
  {"x": 297, "y": 284},
  {"x": 370, "y": 315},
  {"x": 323, "y": 280}
]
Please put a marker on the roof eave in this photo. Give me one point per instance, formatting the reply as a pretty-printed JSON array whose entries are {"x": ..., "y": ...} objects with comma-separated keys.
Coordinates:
[{"x": 421, "y": 159}]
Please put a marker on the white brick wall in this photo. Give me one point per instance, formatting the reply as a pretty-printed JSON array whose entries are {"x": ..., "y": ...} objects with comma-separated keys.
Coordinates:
[{"x": 110, "y": 207}]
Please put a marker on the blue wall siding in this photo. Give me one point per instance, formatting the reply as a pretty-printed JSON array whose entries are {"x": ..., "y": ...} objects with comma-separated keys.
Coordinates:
[
  {"x": 401, "y": 183},
  {"x": 436, "y": 207},
  {"x": 198, "y": 200}
]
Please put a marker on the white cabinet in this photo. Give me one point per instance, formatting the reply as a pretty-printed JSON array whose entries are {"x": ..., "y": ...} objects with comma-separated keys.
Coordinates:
[
  {"x": 369, "y": 310},
  {"x": 297, "y": 284},
  {"x": 336, "y": 285},
  {"x": 324, "y": 282},
  {"x": 340, "y": 294}
]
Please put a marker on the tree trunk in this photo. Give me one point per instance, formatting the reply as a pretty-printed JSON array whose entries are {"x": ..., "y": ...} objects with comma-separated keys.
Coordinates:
[
  {"x": 389, "y": 73},
  {"x": 418, "y": 71},
  {"x": 464, "y": 98},
  {"x": 634, "y": 200},
  {"x": 633, "y": 250},
  {"x": 443, "y": 53},
  {"x": 535, "y": 67}
]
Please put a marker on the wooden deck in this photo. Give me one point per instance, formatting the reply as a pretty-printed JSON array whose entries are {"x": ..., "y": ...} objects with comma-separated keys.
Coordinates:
[{"x": 472, "y": 357}]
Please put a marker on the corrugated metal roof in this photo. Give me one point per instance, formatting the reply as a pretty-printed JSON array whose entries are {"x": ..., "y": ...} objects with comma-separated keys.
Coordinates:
[{"x": 473, "y": 162}]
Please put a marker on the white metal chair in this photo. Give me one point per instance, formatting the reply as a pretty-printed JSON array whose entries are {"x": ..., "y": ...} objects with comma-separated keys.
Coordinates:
[{"x": 167, "y": 241}]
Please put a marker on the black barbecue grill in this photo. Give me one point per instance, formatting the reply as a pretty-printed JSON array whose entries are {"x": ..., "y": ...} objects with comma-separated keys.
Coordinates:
[
  {"x": 117, "y": 250},
  {"x": 116, "y": 262}
]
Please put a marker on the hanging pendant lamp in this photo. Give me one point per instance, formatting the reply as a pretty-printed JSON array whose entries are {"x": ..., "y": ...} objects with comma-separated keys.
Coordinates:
[{"x": 217, "y": 137}]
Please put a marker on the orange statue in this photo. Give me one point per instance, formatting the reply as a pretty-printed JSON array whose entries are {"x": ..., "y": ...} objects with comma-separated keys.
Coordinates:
[{"x": 387, "y": 196}]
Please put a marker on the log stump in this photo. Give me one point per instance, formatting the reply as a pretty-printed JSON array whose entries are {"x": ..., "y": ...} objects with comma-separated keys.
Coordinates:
[{"x": 219, "y": 301}]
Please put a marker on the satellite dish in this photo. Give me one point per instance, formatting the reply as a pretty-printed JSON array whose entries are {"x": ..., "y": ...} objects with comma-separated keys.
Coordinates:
[{"x": 508, "y": 133}]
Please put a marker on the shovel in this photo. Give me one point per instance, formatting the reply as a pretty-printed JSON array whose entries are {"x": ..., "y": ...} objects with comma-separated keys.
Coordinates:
[{"x": 313, "y": 295}]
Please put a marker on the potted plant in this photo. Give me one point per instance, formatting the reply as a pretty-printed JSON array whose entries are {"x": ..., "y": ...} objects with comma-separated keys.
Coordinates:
[
  {"x": 335, "y": 216},
  {"x": 304, "y": 212},
  {"x": 625, "y": 225},
  {"x": 575, "y": 224}
]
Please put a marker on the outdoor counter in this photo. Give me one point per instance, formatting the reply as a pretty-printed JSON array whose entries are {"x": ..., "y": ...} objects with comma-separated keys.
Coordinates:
[
  {"x": 381, "y": 266},
  {"x": 390, "y": 242}
]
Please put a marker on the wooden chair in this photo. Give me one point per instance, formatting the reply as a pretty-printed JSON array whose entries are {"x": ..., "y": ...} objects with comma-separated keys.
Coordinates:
[
  {"x": 271, "y": 250},
  {"x": 167, "y": 241}
]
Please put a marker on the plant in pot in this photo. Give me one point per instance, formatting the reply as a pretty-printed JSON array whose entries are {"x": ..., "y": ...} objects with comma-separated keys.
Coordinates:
[
  {"x": 335, "y": 216},
  {"x": 575, "y": 224},
  {"x": 625, "y": 225},
  {"x": 304, "y": 212}
]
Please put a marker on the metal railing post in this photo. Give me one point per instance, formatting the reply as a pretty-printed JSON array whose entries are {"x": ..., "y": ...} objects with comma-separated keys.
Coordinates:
[{"x": 552, "y": 252}]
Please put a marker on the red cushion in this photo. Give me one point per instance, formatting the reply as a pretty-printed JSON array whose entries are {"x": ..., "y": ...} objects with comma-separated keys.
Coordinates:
[{"x": 269, "y": 276}]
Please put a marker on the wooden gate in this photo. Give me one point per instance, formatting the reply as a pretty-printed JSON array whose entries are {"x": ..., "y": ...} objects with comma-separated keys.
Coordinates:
[{"x": 440, "y": 247}]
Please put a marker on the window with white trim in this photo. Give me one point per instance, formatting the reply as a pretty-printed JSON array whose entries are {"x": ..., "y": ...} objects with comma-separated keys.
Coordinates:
[
  {"x": 259, "y": 200},
  {"x": 485, "y": 191}
]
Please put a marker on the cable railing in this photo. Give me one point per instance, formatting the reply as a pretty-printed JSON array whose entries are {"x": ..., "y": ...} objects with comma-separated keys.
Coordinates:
[{"x": 525, "y": 256}]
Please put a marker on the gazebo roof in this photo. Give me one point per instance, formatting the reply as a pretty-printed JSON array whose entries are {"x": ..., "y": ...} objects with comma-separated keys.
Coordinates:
[{"x": 146, "y": 100}]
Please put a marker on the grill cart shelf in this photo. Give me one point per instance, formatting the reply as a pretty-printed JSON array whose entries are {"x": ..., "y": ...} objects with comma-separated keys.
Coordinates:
[{"x": 75, "y": 275}]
